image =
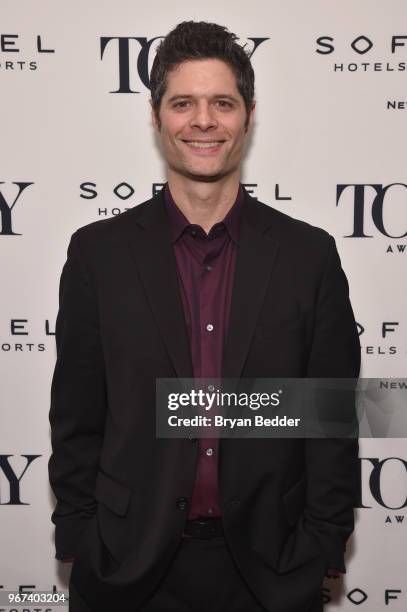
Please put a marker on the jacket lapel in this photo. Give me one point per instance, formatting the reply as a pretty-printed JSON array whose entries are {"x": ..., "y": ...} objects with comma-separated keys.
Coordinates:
[
  {"x": 151, "y": 246},
  {"x": 256, "y": 254},
  {"x": 152, "y": 249}
]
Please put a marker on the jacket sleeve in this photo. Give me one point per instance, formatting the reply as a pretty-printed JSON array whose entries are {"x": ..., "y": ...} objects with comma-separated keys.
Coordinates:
[
  {"x": 332, "y": 463},
  {"x": 78, "y": 404}
]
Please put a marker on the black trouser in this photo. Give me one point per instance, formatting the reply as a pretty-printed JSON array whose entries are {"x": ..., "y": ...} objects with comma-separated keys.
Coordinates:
[{"x": 201, "y": 578}]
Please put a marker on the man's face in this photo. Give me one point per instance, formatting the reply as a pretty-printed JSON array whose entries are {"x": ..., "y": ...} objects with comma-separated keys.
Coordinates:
[{"x": 202, "y": 124}]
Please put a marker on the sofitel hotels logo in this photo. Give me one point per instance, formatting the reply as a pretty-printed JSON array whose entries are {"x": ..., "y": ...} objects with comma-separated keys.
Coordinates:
[
  {"x": 125, "y": 192},
  {"x": 386, "y": 54},
  {"x": 364, "y": 53},
  {"x": 21, "y": 53},
  {"x": 23, "y": 335}
]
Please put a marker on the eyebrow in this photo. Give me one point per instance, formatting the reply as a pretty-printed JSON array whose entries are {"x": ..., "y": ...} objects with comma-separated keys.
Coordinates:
[{"x": 189, "y": 97}]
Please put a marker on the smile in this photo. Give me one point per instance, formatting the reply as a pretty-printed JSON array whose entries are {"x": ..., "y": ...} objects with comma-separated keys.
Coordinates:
[{"x": 204, "y": 147}]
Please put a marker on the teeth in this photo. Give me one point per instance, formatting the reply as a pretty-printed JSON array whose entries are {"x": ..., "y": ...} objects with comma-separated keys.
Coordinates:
[{"x": 202, "y": 145}]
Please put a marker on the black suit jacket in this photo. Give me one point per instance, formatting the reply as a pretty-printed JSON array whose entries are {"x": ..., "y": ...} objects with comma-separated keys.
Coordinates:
[{"x": 122, "y": 494}]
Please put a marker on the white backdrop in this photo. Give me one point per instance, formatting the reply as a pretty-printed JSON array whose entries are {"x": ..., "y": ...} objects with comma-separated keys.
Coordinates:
[{"x": 331, "y": 114}]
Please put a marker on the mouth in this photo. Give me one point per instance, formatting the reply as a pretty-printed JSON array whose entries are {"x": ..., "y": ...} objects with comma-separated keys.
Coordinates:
[{"x": 204, "y": 146}]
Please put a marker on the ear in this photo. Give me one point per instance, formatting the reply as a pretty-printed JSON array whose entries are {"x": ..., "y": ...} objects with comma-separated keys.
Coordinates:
[
  {"x": 250, "y": 118},
  {"x": 154, "y": 119}
]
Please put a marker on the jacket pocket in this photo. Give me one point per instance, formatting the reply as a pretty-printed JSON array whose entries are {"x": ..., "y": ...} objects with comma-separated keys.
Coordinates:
[
  {"x": 294, "y": 501},
  {"x": 112, "y": 494}
]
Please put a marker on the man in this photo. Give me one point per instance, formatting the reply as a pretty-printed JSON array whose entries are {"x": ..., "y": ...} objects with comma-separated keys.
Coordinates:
[{"x": 200, "y": 281}]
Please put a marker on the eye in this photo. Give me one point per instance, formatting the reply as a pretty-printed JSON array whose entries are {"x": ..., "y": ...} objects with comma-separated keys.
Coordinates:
[
  {"x": 181, "y": 104},
  {"x": 224, "y": 103}
]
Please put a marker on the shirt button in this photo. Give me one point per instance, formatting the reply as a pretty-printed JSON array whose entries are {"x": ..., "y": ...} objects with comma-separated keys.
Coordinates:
[
  {"x": 209, "y": 452},
  {"x": 211, "y": 388},
  {"x": 182, "y": 503},
  {"x": 193, "y": 232},
  {"x": 210, "y": 511},
  {"x": 208, "y": 268},
  {"x": 209, "y": 327}
]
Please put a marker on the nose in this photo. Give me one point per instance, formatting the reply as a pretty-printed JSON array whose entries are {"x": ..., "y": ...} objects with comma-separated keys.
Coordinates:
[{"x": 203, "y": 117}]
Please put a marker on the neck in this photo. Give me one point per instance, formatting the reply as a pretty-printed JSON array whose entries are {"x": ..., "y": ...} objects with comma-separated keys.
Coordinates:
[{"x": 204, "y": 203}]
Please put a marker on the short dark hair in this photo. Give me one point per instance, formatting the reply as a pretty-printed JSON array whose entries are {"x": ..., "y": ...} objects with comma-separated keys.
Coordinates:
[{"x": 192, "y": 40}]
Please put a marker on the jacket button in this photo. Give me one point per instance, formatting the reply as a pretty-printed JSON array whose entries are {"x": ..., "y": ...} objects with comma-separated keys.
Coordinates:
[{"x": 182, "y": 503}]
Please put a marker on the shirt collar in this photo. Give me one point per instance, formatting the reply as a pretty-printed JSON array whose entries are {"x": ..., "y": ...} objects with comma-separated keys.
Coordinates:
[{"x": 178, "y": 221}]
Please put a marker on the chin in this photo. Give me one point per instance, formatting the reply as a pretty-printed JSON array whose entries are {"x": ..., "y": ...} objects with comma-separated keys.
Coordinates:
[
  {"x": 205, "y": 174},
  {"x": 205, "y": 177}
]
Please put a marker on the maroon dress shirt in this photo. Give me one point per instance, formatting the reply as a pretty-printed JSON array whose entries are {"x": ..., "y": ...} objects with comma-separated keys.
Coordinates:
[{"x": 206, "y": 266}]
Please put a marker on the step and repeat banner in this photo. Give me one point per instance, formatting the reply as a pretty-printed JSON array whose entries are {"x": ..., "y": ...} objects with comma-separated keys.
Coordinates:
[{"x": 77, "y": 145}]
